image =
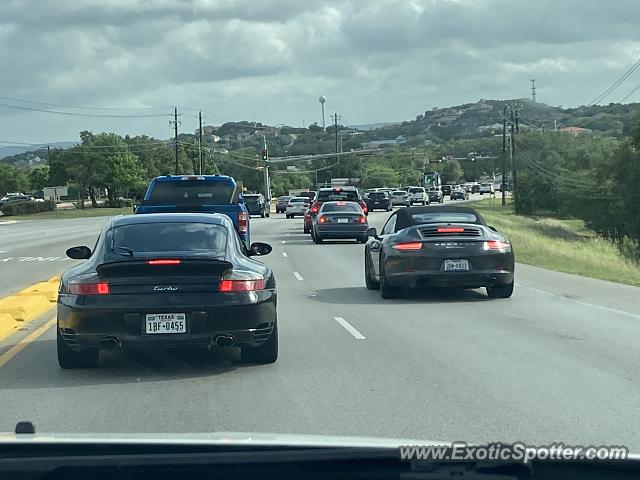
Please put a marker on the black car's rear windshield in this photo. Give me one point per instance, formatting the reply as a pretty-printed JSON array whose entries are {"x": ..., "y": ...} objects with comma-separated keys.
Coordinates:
[
  {"x": 349, "y": 207},
  {"x": 444, "y": 217},
  {"x": 337, "y": 194},
  {"x": 187, "y": 237},
  {"x": 377, "y": 195},
  {"x": 193, "y": 191},
  {"x": 250, "y": 199}
]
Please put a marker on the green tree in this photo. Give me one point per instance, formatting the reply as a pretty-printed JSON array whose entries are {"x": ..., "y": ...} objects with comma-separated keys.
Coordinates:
[
  {"x": 12, "y": 179},
  {"x": 39, "y": 178},
  {"x": 451, "y": 171}
]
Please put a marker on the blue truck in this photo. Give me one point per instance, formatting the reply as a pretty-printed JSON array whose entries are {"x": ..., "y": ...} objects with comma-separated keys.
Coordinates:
[{"x": 198, "y": 193}]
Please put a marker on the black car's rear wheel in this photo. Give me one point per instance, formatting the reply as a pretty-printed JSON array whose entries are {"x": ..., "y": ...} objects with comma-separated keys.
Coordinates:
[
  {"x": 368, "y": 278},
  {"x": 500, "y": 291},
  {"x": 386, "y": 290},
  {"x": 68, "y": 358},
  {"x": 262, "y": 214},
  {"x": 317, "y": 239},
  {"x": 265, "y": 353}
]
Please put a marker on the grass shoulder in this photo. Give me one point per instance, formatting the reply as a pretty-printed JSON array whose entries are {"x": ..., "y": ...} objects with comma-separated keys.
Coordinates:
[
  {"x": 565, "y": 245},
  {"x": 73, "y": 213}
]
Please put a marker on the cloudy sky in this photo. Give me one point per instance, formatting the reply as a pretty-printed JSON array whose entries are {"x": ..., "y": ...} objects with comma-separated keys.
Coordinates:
[{"x": 269, "y": 60}]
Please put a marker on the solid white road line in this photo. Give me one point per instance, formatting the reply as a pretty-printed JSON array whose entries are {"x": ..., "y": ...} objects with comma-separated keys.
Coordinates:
[
  {"x": 350, "y": 328},
  {"x": 586, "y": 304},
  {"x": 298, "y": 276},
  {"x": 284, "y": 254},
  {"x": 284, "y": 241}
]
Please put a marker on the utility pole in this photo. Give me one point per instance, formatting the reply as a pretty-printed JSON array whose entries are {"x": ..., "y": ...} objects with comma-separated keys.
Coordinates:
[
  {"x": 265, "y": 170},
  {"x": 514, "y": 169},
  {"x": 504, "y": 156},
  {"x": 335, "y": 123},
  {"x": 48, "y": 155},
  {"x": 174, "y": 123},
  {"x": 200, "y": 141},
  {"x": 533, "y": 90}
]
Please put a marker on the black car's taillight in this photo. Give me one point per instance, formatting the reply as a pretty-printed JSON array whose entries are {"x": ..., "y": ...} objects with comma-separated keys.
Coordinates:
[
  {"x": 241, "y": 281},
  {"x": 497, "y": 245},
  {"x": 88, "y": 286}
]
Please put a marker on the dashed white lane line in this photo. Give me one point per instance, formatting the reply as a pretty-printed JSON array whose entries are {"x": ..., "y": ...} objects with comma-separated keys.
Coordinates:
[
  {"x": 586, "y": 304},
  {"x": 284, "y": 254},
  {"x": 9, "y": 222},
  {"x": 298, "y": 276},
  {"x": 350, "y": 328},
  {"x": 284, "y": 241}
]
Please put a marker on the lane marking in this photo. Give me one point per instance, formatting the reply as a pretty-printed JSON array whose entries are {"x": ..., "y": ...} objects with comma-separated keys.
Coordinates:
[
  {"x": 284, "y": 241},
  {"x": 9, "y": 222},
  {"x": 298, "y": 276},
  {"x": 3, "y": 251},
  {"x": 284, "y": 254},
  {"x": 24, "y": 343},
  {"x": 350, "y": 328},
  {"x": 586, "y": 304}
]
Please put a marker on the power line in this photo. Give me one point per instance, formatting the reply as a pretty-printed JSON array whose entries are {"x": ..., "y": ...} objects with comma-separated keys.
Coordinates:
[
  {"x": 630, "y": 93},
  {"x": 78, "y": 107},
  {"x": 77, "y": 114},
  {"x": 617, "y": 83}
]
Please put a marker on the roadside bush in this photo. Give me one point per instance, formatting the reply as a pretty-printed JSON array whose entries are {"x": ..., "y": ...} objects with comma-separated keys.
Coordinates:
[
  {"x": 119, "y": 203},
  {"x": 27, "y": 208}
]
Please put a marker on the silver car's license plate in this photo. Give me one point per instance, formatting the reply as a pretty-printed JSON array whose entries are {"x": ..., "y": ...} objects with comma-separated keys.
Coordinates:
[
  {"x": 166, "y": 323},
  {"x": 461, "y": 265},
  {"x": 343, "y": 220}
]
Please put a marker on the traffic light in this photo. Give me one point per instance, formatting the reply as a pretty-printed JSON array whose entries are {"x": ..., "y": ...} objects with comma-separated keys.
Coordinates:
[{"x": 265, "y": 155}]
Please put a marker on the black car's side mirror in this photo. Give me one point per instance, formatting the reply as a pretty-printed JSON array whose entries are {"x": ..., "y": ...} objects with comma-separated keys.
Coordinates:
[
  {"x": 260, "y": 249},
  {"x": 492, "y": 228},
  {"x": 79, "y": 253},
  {"x": 372, "y": 232}
]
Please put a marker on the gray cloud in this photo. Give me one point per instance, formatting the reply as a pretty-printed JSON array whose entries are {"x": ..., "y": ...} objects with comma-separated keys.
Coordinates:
[{"x": 268, "y": 60}]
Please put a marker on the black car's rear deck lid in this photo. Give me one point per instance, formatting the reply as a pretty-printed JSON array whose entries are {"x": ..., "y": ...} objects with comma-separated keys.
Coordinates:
[
  {"x": 449, "y": 231},
  {"x": 137, "y": 267}
]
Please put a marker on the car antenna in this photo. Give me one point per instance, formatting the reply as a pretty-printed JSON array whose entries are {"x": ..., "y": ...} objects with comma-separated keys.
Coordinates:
[{"x": 25, "y": 427}]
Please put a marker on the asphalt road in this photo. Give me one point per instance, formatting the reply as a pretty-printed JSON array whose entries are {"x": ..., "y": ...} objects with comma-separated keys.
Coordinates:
[{"x": 556, "y": 362}]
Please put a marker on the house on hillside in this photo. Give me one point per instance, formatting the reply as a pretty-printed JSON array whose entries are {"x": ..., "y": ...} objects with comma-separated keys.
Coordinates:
[{"x": 575, "y": 131}]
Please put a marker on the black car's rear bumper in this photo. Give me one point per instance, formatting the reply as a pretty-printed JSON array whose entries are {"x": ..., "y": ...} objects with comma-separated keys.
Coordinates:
[
  {"x": 422, "y": 270},
  {"x": 249, "y": 317},
  {"x": 379, "y": 205},
  {"x": 473, "y": 279},
  {"x": 342, "y": 231}
]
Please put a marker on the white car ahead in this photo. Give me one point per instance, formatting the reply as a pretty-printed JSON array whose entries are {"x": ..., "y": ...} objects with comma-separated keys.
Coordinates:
[
  {"x": 297, "y": 206},
  {"x": 418, "y": 195}
]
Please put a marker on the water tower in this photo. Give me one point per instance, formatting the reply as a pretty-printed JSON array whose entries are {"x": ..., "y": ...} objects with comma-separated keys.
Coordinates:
[{"x": 322, "y": 99}]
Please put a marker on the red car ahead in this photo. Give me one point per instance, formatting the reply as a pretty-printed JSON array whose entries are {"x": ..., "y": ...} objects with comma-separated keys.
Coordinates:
[{"x": 307, "y": 221}]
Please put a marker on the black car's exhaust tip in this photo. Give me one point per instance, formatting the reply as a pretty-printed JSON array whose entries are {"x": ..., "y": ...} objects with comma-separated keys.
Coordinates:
[
  {"x": 110, "y": 343},
  {"x": 225, "y": 341}
]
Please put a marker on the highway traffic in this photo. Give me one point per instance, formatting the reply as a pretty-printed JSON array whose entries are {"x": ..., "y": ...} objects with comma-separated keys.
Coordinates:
[{"x": 560, "y": 351}]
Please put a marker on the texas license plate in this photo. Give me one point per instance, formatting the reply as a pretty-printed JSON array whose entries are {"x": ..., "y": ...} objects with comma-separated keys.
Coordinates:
[
  {"x": 343, "y": 220},
  {"x": 461, "y": 265},
  {"x": 166, "y": 323}
]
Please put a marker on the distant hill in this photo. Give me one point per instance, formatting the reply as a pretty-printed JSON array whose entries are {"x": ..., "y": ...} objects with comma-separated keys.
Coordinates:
[
  {"x": 484, "y": 117},
  {"x": 12, "y": 150},
  {"x": 372, "y": 126}
]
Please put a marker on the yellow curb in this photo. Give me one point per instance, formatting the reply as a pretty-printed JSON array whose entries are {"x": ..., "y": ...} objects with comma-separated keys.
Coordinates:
[
  {"x": 7, "y": 325},
  {"x": 48, "y": 289},
  {"x": 25, "y": 308},
  {"x": 55, "y": 279}
]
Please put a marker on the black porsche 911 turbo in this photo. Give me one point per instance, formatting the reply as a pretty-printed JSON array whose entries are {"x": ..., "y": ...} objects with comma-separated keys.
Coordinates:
[
  {"x": 422, "y": 247},
  {"x": 167, "y": 280}
]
